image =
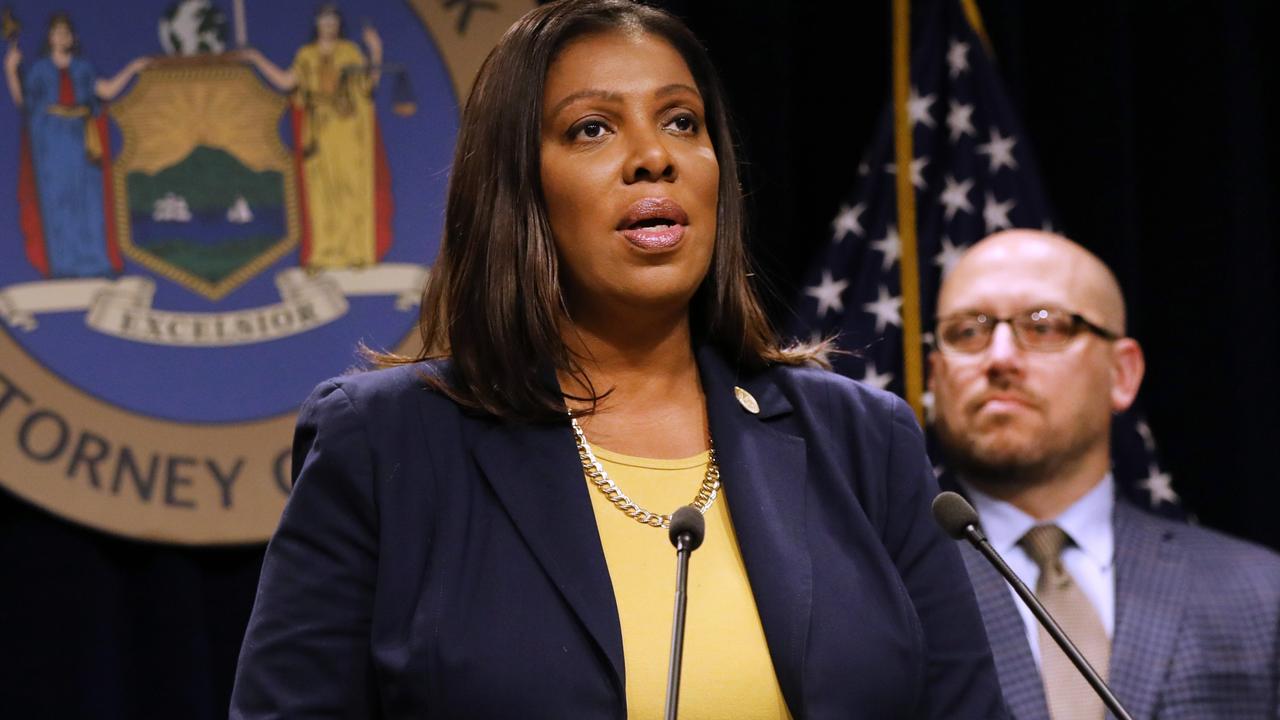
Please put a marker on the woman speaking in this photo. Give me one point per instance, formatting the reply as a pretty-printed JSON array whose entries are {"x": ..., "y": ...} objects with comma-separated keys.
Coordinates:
[{"x": 477, "y": 532}]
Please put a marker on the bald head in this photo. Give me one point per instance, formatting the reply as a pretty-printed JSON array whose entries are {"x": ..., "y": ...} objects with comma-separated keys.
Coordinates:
[{"x": 1043, "y": 268}]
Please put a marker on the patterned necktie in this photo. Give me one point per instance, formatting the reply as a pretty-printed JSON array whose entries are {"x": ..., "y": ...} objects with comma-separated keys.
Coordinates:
[{"x": 1069, "y": 695}]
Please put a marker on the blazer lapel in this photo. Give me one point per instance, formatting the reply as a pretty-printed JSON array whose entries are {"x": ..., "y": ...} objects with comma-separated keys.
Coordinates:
[
  {"x": 1149, "y": 575},
  {"x": 763, "y": 470},
  {"x": 1019, "y": 675},
  {"x": 536, "y": 473}
]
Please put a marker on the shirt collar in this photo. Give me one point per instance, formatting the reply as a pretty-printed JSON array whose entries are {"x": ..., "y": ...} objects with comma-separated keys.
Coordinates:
[{"x": 1087, "y": 521}]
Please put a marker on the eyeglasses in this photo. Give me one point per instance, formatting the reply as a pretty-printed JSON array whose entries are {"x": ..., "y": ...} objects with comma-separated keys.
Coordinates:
[{"x": 1041, "y": 329}]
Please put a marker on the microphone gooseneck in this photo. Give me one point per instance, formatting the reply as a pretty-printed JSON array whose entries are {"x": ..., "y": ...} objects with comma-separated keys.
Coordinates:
[
  {"x": 958, "y": 519},
  {"x": 687, "y": 530}
]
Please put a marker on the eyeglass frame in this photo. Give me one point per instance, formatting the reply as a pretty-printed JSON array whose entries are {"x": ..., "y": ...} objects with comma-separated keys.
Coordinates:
[{"x": 1078, "y": 322}]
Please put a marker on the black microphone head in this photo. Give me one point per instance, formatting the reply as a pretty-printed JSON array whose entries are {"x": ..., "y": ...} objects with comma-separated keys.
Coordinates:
[
  {"x": 954, "y": 513},
  {"x": 687, "y": 520}
]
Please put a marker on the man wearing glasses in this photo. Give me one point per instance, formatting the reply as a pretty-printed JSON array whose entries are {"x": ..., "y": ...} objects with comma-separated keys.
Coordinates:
[{"x": 1031, "y": 361}]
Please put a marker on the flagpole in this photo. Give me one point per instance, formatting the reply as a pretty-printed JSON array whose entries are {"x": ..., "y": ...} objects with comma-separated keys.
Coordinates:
[
  {"x": 908, "y": 262},
  {"x": 974, "y": 17}
]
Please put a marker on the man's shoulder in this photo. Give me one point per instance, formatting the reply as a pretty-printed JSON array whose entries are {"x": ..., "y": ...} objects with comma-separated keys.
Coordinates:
[
  {"x": 1216, "y": 553},
  {"x": 1213, "y": 557}
]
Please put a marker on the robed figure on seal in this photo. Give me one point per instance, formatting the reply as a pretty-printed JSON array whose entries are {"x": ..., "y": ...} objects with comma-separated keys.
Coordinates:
[
  {"x": 62, "y": 190},
  {"x": 342, "y": 167}
]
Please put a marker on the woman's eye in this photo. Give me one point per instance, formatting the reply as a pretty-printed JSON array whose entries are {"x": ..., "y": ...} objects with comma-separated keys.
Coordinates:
[
  {"x": 684, "y": 123},
  {"x": 590, "y": 130}
]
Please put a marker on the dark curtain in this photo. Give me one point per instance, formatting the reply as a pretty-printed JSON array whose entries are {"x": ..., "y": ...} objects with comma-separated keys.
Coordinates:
[
  {"x": 92, "y": 626},
  {"x": 1154, "y": 125}
]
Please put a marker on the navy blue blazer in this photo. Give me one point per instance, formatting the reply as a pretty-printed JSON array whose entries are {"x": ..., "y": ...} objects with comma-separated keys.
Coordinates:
[
  {"x": 432, "y": 563},
  {"x": 1197, "y": 634}
]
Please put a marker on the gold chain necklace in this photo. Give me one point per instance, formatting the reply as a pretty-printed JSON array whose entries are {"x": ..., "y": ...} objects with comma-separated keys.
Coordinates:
[{"x": 707, "y": 493}]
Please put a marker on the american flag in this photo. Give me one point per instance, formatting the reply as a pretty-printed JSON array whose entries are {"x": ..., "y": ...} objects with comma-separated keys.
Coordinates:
[{"x": 973, "y": 174}]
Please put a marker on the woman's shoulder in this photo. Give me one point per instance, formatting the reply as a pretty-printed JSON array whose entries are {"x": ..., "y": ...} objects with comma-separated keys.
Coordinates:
[
  {"x": 810, "y": 384},
  {"x": 386, "y": 392}
]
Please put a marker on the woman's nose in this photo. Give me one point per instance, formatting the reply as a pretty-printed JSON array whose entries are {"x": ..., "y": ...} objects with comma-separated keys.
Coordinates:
[{"x": 650, "y": 159}]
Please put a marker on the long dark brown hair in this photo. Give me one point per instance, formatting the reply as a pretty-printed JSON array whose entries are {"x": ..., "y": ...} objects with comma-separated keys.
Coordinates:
[{"x": 493, "y": 303}]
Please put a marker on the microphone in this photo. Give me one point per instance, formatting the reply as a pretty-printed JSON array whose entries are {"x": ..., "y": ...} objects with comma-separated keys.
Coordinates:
[
  {"x": 958, "y": 518},
  {"x": 687, "y": 529}
]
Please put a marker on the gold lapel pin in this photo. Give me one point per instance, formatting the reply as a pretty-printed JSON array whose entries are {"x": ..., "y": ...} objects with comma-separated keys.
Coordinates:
[{"x": 746, "y": 400}]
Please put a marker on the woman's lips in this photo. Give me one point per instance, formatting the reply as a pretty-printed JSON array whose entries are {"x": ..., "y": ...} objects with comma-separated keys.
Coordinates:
[
  {"x": 654, "y": 223},
  {"x": 657, "y": 237}
]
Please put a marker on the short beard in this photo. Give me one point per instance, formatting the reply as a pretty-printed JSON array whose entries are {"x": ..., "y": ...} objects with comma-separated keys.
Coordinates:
[
  {"x": 1006, "y": 469},
  {"x": 1008, "y": 473}
]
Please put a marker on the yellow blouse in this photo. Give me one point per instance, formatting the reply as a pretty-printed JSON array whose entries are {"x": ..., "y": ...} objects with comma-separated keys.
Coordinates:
[{"x": 727, "y": 669}]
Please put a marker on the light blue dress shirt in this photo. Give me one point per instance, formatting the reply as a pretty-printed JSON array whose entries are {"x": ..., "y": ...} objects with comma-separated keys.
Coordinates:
[{"x": 1089, "y": 556}]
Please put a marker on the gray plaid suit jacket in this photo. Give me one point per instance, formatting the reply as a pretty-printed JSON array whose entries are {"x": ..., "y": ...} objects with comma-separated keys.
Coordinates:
[{"x": 1197, "y": 632}]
